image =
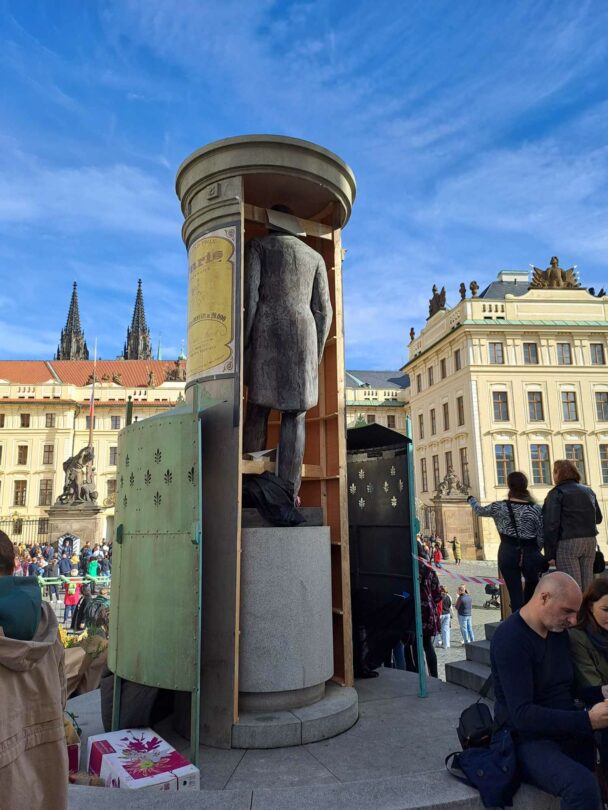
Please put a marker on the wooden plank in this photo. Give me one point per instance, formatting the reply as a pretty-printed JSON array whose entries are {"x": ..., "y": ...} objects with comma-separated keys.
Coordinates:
[
  {"x": 346, "y": 624},
  {"x": 254, "y": 213}
]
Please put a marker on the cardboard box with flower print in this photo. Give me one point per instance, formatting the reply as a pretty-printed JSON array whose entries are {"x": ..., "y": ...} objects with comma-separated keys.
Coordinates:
[{"x": 138, "y": 759}]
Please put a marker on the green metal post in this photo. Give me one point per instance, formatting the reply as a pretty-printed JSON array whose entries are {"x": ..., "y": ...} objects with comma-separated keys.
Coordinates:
[
  {"x": 195, "y": 699},
  {"x": 415, "y": 567}
]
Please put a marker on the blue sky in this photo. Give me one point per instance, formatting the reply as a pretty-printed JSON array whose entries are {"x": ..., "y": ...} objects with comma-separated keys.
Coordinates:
[{"x": 477, "y": 132}]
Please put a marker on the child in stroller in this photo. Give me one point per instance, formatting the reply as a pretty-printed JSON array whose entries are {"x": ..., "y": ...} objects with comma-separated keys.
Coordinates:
[{"x": 493, "y": 591}]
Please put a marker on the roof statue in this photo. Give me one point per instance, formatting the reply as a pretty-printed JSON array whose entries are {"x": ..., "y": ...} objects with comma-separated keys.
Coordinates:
[
  {"x": 553, "y": 278},
  {"x": 437, "y": 302},
  {"x": 463, "y": 290},
  {"x": 474, "y": 287},
  {"x": 72, "y": 345},
  {"x": 138, "y": 345},
  {"x": 412, "y": 333}
]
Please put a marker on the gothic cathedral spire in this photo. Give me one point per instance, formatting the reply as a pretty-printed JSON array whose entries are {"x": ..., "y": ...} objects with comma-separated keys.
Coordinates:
[
  {"x": 72, "y": 345},
  {"x": 137, "y": 345}
]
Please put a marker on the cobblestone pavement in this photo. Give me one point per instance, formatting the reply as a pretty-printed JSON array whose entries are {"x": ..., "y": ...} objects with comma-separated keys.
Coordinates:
[{"x": 481, "y": 615}]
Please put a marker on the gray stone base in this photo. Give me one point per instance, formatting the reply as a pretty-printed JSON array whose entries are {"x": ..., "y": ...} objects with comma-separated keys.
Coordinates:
[{"x": 332, "y": 715}]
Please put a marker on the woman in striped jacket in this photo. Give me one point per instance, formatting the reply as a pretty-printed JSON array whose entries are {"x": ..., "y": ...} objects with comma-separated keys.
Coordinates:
[{"x": 520, "y": 525}]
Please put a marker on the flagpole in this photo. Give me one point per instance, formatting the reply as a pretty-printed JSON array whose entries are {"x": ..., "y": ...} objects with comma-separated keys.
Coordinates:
[{"x": 92, "y": 403}]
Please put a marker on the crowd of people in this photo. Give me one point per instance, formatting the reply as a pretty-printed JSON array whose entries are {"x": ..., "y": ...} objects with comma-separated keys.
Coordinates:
[{"x": 565, "y": 527}]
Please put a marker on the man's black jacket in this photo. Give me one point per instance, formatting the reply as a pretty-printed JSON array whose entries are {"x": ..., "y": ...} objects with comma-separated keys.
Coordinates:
[{"x": 570, "y": 510}]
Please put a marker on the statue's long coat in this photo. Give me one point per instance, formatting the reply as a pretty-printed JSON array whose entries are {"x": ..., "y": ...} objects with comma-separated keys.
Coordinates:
[{"x": 287, "y": 318}]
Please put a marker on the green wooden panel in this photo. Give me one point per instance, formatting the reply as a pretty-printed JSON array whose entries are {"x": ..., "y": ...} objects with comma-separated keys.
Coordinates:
[{"x": 154, "y": 636}]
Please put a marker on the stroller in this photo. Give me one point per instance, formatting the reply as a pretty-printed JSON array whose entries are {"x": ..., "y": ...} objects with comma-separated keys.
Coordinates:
[{"x": 493, "y": 591}]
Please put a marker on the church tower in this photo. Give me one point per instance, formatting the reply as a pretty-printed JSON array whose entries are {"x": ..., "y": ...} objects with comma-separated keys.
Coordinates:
[
  {"x": 137, "y": 345},
  {"x": 72, "y": 345}
]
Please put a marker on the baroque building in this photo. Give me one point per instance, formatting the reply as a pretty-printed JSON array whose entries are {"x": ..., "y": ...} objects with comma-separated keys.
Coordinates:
[
  {"x": 44, "y": 418},
  {"x": 509, "y": 379},
  {"x": 377, "y": 396}
]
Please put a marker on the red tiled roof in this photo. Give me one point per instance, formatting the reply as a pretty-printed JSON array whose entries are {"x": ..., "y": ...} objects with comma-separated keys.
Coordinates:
[
  {"x": 133, "y": 373},
  {"x": 25, "y": 372}
]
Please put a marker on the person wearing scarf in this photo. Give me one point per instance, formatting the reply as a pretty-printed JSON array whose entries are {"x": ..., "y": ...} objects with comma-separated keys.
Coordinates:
[{"x": 589, "y": 647}]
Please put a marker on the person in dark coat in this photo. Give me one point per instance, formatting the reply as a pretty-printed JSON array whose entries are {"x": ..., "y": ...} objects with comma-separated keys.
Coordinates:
[{"x": 571, "y": 514}]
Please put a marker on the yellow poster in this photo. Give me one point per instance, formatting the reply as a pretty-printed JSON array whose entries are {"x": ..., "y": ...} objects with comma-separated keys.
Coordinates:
[{"x": 211, "y": 304}]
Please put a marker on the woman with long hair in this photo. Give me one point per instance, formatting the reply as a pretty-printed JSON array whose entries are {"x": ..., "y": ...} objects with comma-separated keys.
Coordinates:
[
  {"x": 571, "y": 514},
  {"x": 519, "y": 522},
  {"x": 589, "y": 648}
]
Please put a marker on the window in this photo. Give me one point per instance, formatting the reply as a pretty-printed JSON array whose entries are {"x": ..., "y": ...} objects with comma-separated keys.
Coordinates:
[
  {"x": 539, "y": 455},
  {"x": 431, "y": 374},
  {"x": 370, "y": 418},
  {"x": 25, "y": 420},
  {"x": 501, "y": 406},
  {"x": 111, "y": 487},
  {"x": 88, "y": 422},
  {"x": 564, "y": 354},
  {"x": 46, "y": 493},
  {"x": 597, "y": 355},
  {"x": 436, "y": 478},
  {"x": 460, "y": 409},
  {"x": 448, "y": 461},
  {"x": 601, "y": 405},
  {"x": 418, "y": 383},
  {"x": 433, "y": 422},
  {"x": 116, "y": 422},
  {"x": 48, "y": 454},
  {"x": 444, "y": 371},
  {"x": 464, "y": 467},
  {"x": 504, "y": 463},
  {"x": 0, "y": 454},
  {"x": 535, "y": 406},
  {"x": 43, "y": 525},
  {"x": 604, "y": 462},
  {"x": 390, "y": 421},
  {"x": 530, "y": 354},
  {"x": 20, "y": 493},
  {"x": 574, "y": 453},
  {"x": 457, "y": 360},
  {"x": 423, "y": 475},
  {"x": 50, "y": 420},
  {"x": 22, "y": 454},
  {"x": 114, "y": 451},
  {"x": 1, "y": 420},
  {"x": 569, "y": 411},
  {"x": 420, "y": 426},
  {"x": 495, "y": 353},
  {"x": 446, "y": 416}
]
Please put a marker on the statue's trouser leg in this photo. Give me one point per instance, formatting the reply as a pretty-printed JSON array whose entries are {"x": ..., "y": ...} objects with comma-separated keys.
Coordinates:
[
  {"x": 291, "y": 448},
  {"x": 255, "y": 432}
]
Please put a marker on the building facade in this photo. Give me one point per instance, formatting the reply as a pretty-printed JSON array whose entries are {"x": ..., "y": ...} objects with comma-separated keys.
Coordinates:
[
  {"x": 44, "y": 419},
  {"x": 511, "y": 379},
  {"x": 377, "y": 396}
]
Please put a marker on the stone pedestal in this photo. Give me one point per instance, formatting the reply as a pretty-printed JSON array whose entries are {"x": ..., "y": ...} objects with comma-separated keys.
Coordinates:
[
  {"x": 286, "y": 651},
  {"x": 83, "y": 520},
  {"x": 454, "y": 518}
]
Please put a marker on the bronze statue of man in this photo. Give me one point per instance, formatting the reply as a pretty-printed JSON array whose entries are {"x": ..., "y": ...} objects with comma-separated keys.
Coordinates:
[{"x": 287, "y": 319}]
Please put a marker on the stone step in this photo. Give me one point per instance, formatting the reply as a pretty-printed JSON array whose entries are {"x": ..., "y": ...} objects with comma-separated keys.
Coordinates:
[
  {"x": 479, "y": 651},
  {"x": 491, "y": 628},
  {"x": 470, "y": 674}
]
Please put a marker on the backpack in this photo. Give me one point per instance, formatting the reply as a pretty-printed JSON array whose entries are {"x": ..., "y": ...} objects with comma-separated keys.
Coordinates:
[{"x": 488, "y": 761}]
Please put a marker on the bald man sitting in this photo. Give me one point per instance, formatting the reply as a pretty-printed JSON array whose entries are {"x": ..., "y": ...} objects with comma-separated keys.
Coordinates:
[{"x": 534, "y": 688}]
